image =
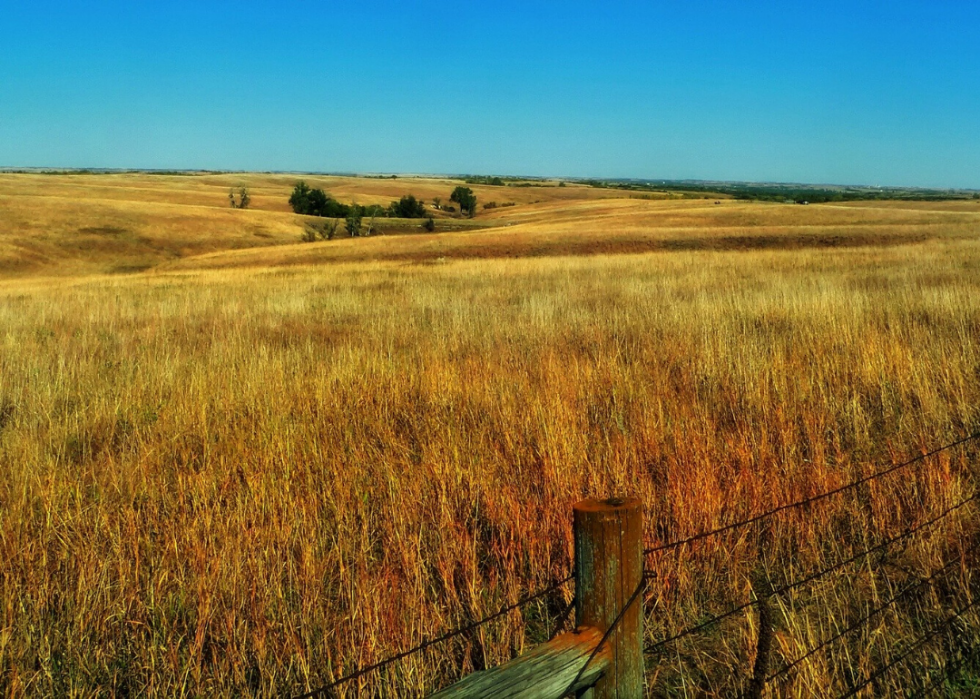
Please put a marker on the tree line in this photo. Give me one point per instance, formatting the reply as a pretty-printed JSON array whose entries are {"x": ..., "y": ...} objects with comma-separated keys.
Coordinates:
[{"x": 316, "y": 202}]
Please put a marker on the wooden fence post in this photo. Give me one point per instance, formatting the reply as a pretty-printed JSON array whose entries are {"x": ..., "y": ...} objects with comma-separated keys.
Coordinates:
[
  {"x": 608, "y": 570},
  {"x": 584, "y": 662}
]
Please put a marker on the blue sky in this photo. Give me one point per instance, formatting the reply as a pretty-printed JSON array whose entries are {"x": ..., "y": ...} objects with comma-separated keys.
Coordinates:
[{"x": 838, "y": 92}]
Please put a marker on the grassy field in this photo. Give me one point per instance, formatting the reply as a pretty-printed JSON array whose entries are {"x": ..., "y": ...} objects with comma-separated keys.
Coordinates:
[{"x": 259, "y": 463}]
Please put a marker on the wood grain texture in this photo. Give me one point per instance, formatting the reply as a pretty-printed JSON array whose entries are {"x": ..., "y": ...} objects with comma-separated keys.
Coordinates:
[
  {"x": 546, "y": 672},
  {"x": 609, "y": 568}
]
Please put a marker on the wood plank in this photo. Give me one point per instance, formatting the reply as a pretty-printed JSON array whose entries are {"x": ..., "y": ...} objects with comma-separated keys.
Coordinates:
[{"x": 545, "y": 672}]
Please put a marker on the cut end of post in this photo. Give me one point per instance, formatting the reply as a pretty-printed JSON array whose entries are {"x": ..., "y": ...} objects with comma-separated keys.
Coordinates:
[{"x": 608, "y": 504}]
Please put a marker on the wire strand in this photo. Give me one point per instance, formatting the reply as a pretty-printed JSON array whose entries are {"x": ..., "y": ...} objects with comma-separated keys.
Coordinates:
[
  {"x": 878, "y": 547},
  {"x": 880, "y": 672},
  {"x": 563, "y": 617},
  {"x": 808, "y": 501},
  {"x": 700, "y": 627},
  {"x": 867, "y": 617},
  {"x": 608, "y": 633},
  {"x": 435, "y": 641},
  {"x": 950, "y": 670},
  {"x": 813, "y": 577}
]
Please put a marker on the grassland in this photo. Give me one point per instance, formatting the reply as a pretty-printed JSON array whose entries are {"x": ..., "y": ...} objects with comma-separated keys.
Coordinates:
[{"x": 250, "y": 470}]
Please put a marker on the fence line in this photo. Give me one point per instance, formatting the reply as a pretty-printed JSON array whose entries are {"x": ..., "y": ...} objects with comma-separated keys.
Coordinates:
[
  {"x": 882, "y": 671},
  {"x": 612, "y": 627},
  {"x": 870, "y": 615},
  {"x": 435, "y": 641},
  {"x": 814, "y": 576},
  {"x": 949, "y": 670},
  {"x": 646, "y": 575},
  {"x": 810, "y": 500}
]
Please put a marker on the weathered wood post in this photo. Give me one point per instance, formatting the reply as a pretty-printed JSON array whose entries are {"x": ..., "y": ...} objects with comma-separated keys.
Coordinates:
[
  {"x": 608, "y": 570},
  {"x": 583, "y": 662}
]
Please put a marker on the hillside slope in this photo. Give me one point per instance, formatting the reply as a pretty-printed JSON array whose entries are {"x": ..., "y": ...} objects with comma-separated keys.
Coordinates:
[{"x": 57, "y": 225}]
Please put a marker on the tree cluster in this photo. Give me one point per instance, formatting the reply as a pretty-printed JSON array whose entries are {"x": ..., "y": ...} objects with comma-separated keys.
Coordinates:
[
  {"x": 407, "y": 207},
  {"x": 486, "y": 179},
  {"x": 316, "y": 202}
]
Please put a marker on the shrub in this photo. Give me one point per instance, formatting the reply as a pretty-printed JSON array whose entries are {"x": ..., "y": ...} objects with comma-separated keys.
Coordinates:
[
  {"x": 329, "y": 230},
  {"x": 429, "y": 225},
  {"x": 325, "y": 230},
  {"x": 243, "y": 198},
  {"x": 490, "y": 205}
]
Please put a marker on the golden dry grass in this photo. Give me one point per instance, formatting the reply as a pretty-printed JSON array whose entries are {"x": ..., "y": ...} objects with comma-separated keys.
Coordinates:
[
  {"x": 68, "y": 224},
  {"x": 224, "y": 478},
  {"x": 82, "y": 224}
]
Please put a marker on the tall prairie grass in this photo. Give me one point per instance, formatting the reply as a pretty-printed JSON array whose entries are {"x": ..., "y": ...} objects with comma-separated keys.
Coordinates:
[{"x": 252, "y": 481}]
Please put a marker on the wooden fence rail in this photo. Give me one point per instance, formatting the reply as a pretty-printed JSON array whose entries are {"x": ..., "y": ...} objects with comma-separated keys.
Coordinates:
[{"x": 603, "y": 657}]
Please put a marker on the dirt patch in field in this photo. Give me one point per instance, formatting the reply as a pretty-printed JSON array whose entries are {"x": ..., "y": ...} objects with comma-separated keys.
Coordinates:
[
  {"x": 791, "y": 242},
  {"x": 131, "y": 268},
  {"x": 103, "y": 230},
  {"x": 516, "y": 249}
]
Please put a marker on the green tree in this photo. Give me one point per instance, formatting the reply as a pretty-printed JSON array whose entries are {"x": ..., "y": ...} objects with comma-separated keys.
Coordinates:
[
  {"x": 407, "y": 207},
  {"x": 429, "y": 225},
  {"x": 300, "y": 198},
  {"x": 315, "y": 202},
  {"x": 465, "y": 198},
  {"x": 353, "y": 222}
]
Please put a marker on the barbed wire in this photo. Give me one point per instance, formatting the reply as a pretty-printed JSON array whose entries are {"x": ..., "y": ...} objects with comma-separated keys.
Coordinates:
[
  {"x": 879, "y": 547},
  {"x": 814, "y": 576},
  {"x": 612, "y": 627},
  {"x": 870, "y": 615},
  {"x": 435, "y": 641},
  {"x": 810, "y": 500},
  {"x": 885, "y": 669},
  {"x": 700, "y": 627},
  {"x": 677, "y": 544},
  {"x": 950, "y": 670},
  {"x": 562, "y": 618}
]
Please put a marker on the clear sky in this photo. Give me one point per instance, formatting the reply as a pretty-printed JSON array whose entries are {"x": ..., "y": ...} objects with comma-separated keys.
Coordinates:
[{"x": 857, "y": 92}]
